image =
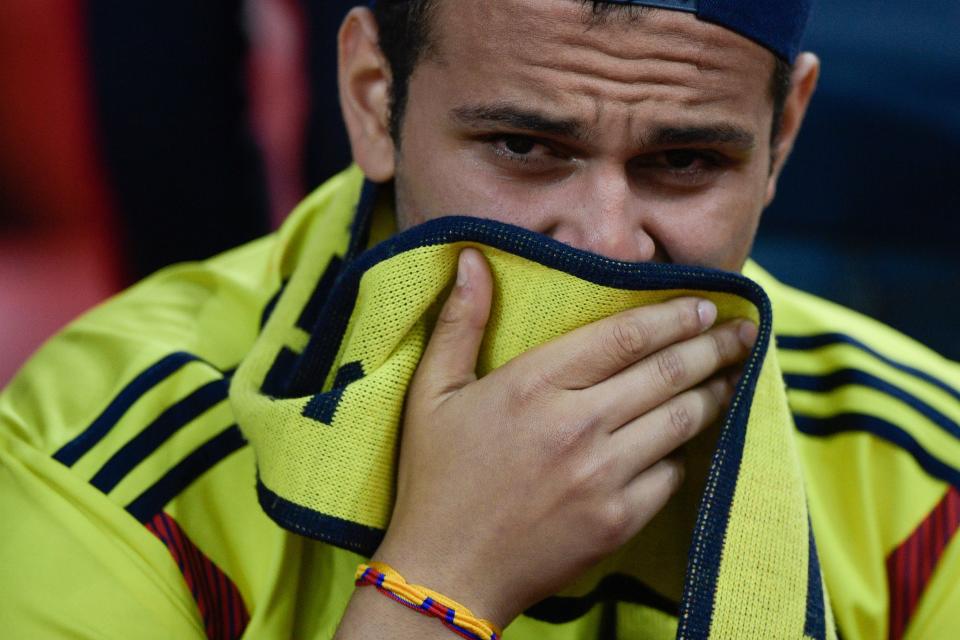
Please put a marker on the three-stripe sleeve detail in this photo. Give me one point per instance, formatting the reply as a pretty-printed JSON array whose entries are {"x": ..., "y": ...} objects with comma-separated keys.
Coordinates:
[
  {"x": 181, "y": 475},
  {"x": 183, "y": 399},
  {"x": 842, "y": 377},
  {"x": 911, "y": 565},
  {"x": 811, "y": 343},
  {"x": 180, "y": 412},
  {"x": 159, "y": 431},
  {"x": 849, "y": 417},
  {"x": 121, "y": 403}
]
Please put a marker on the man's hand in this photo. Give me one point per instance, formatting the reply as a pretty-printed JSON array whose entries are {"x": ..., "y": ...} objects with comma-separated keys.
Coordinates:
[{"x": 512, "y": 485}]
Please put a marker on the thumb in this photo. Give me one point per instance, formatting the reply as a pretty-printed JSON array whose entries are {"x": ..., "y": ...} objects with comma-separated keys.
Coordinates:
[{"x": 450, "y": 359}]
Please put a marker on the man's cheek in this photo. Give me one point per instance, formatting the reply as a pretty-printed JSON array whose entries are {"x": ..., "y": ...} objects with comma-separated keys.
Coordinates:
[{"x": 717, "y": 240}]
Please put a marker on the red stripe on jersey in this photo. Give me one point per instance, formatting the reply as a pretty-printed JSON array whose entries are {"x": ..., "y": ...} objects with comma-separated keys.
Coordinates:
[
  {"x": 911, "y": 565},
  {"x": 224, "y": 615}
]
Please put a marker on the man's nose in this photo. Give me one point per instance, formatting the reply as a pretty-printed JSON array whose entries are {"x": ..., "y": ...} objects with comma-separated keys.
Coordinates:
[{"x": 608, "y": 220}]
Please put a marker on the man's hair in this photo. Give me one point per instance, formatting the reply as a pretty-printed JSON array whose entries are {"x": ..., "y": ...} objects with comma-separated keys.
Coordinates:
[{"x": 406, "y": 36}]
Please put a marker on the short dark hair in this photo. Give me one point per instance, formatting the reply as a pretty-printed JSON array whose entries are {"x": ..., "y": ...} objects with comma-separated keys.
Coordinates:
[{"x": 405, "y": 36}]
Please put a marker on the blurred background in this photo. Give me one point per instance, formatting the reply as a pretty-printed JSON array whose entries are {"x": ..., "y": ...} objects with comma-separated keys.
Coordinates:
[{"x": 134, "y": 135}]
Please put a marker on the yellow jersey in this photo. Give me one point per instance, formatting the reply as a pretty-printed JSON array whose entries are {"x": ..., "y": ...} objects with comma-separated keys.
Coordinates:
[{"x": 128, "y": 495}]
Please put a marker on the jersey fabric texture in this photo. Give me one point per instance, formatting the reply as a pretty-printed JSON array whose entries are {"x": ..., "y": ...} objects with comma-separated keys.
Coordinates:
[{"x": 128, "y": 504}]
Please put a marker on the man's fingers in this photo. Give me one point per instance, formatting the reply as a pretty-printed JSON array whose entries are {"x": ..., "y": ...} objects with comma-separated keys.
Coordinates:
[
  {"x": 593, "y": 353},
  {"x": 450, "y": 359},
  {"x": 648, "y": 493},
  {"x": 671, "y": 371},
  {"x": 641, "y": 443}
]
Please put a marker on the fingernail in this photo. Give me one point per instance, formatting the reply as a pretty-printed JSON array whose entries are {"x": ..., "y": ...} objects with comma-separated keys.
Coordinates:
[
  {"x": 463, "y": 270},
  {"x": 748, "y": 333},
  {"x": 707, "y": 312}
]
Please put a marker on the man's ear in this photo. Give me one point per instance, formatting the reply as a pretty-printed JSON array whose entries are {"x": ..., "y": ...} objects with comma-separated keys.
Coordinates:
[
  {"x": 363, "y": 76},
  {"x": 803, "y": 82}
]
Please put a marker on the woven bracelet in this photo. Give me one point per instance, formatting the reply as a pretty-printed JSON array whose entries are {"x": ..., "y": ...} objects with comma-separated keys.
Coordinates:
[{"x": 454, "y": 616}]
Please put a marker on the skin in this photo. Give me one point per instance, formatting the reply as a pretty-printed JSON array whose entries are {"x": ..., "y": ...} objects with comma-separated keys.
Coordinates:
[{"x": 639, "y": 140}]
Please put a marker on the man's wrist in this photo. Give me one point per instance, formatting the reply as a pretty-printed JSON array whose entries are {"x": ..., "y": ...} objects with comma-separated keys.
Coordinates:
[{"x": 471, "y": 587}]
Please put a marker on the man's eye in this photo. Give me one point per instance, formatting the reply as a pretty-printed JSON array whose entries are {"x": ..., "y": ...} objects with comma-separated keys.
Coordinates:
[
  {"x": 522, "y": 154},
  {"x": 681, "y": 158},
  {"x": 682, "y": 161},
  {"x": 518, "y": 148},
  {"x": 682, "y": 167},
  {"x": 518, "y": 145}
]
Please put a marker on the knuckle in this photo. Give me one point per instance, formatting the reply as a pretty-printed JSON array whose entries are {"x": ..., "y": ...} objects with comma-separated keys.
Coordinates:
[
  {"x": 681, "y": 422},
  {"x": 531, "y": 391},
  {"x": 591, "y": 473},
  {"x": 568, "y": 439},
  {"x": 523, "y": 397},
  {"x": 629, "y": 338},
  {"x": 671, "y": 368},
  {"x": 719, "y": 349},
  {"x": 449, "y": 316},
  {"x": 614, "y": 523},
  {"x": 582, "y": 481},
  {"x": 563, "y": 442}
]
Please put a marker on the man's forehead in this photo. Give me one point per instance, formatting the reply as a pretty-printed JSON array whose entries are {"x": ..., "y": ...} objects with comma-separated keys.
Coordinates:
[
  {"x": 554, "y": 46},
  {"x": 524, "y": 28},
  {"x": 546, "y": 62}
]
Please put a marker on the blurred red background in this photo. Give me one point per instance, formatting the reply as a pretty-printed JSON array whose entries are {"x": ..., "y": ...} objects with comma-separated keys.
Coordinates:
[
  {"x": 58, "y": 240},
  {"x": 66, "y": 242}
]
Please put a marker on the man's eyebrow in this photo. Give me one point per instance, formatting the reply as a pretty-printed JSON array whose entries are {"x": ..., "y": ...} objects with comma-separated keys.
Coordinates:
[
  {"x": 518, "y": 118},
  {"x": 727, "y": 134}
]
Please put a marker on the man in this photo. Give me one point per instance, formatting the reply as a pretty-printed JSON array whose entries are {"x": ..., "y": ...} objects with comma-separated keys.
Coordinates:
[{"x": 643, "y": 133}]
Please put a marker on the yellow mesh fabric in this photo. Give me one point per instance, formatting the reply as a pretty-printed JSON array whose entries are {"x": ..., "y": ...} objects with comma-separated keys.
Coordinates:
[{"x": 755, "y": 585}]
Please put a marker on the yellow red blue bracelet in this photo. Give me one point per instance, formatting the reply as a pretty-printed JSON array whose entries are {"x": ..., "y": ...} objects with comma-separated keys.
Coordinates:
[{"x": 453, "y": 615}]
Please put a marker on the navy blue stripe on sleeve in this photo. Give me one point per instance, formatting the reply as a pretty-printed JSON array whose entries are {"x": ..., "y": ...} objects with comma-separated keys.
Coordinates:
[
  {"x": 809, "y": 343},
  {"x": 858, "y": 422},
  {"x": 843, "y": 377},
  {"x": 121, "y": 403},
  {"x": 159, "y": 431},
  {"x": 179, "y": 477}
]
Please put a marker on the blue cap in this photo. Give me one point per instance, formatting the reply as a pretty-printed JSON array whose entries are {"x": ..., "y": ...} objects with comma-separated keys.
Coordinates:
[{"x": 777, "y": 25}]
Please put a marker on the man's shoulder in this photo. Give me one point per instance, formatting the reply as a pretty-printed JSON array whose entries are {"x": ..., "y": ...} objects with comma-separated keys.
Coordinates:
[
  {"x": 126, "y": 413},
  {"x": 131, "y": 399},
  {"x": 183, "y": 327},
  {"x": 878, "y": 422},
  {"x": 186, "y": 324}
]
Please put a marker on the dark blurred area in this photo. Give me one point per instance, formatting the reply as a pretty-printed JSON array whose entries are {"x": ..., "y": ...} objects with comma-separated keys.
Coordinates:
[
  {"x": 136, "y": 135},
  {"x": 171, "y": 103},
  {"x": 868, "y": 209}
]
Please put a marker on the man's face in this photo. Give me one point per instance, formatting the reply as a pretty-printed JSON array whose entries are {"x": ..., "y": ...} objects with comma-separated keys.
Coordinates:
[{"x": 638, "y": 140}]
